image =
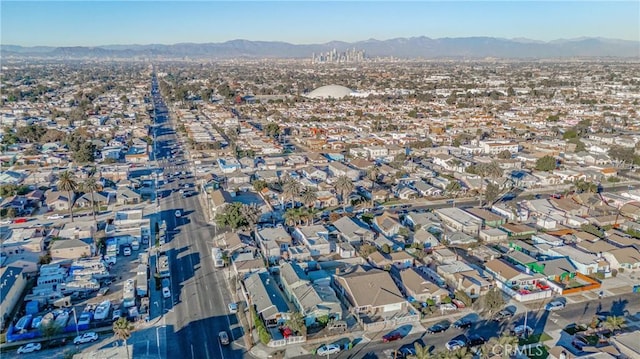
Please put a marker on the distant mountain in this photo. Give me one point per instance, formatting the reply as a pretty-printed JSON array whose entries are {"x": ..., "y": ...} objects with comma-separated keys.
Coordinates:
[{"x": 414, "y": 47}]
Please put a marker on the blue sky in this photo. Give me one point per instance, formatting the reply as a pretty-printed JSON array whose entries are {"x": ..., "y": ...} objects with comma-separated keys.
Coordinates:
[{"x": 91, "y": 23}]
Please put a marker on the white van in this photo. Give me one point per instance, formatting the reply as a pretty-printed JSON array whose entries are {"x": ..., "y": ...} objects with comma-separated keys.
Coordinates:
[{"x": 135, "y": 245}]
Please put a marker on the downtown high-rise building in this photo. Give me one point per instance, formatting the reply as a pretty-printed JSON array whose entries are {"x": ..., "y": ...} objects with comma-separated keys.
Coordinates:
[{"x": 334, "y": 56}]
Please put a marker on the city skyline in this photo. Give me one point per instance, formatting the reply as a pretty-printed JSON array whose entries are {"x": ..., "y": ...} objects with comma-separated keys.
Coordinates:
[{"x": 98, "y": 23}]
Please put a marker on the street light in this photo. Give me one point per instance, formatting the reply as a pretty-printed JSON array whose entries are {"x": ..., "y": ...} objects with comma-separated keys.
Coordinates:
[{"x": 76, "y": 320}]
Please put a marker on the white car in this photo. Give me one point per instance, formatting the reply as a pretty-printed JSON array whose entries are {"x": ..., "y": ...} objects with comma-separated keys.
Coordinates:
[
  {"x": 6, "y": 222},
  {"x": 521, "y": 330},
  {"x": 555, "y": 305},
  {"x": 85, "y": 338},
  {"x": 29, "y": 348},
  {"x": 233, "y": 308},
  {"x": 328, "y": 349},
  {"x": 455, "y": 344},
  {"x": 55, "y": 216},
  {"x": 178, "y": 214},
  {"x": 127, "y": 251},
  {"x": 223, "y": 337},
  {"x": 166, "y": 292}
]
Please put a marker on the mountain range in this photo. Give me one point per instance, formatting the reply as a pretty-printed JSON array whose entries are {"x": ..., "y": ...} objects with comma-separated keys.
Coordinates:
[{"x": 412, "y": 48}]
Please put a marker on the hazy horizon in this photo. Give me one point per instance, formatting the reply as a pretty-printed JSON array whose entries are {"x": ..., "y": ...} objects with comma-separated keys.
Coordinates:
[{"x": 105, "y": 23}]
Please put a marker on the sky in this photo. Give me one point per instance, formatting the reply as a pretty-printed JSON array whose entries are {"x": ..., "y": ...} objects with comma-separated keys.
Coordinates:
[{"x": 94, "y": 23}]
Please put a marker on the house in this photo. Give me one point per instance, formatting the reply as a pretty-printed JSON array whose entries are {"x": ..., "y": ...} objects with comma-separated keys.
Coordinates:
[
  {"x": 59, "y": 201},
  {"x": 585, "y": 263},
  {"x": 493, "y": 235},
  {"x": 444, "y": 256},
  {"x": 125, "y": 195},
  {"x": 233, "y": 243},
  {"x": 627, "y": 258},
  {"x": 427, "y": 190},
  {"x": 387, "y": 224},
  {"x": 338, "y": 169},
  {"x": 313, "y": 173},
  {"x": 264, "y": 295},
  {"x": 426, "y": 220},
  {"x": 419, "y": 288},
  {"x": 370, "y": 291},
  {"x": 352, "y": 232},
  {"x": 518, "y": 230},
  {"x": 459, "y": 220},
  {"x": 400, "y": 260},
  {"x": 544, "y": 238},
  {"x": 556, "y": 269},
  {"x": 471, "y": 283},
  {"x": 273, "y": 242},
  {"x": 99, "y": 198},
  {"x": 247, "y": 262},
  {"x": 219, "y": 199},
  {"x": 459, "y": 238},
  {"x": 345, "y": 250},
  {"x": 315, "y": 237},
  {"x": 510, "y": 275},
  {"x": 70, "y": 249},
  {"x": 311, "y": 300},
  {"x": 426, "y": 238},
  {"x": 488, "y": 218},
  {"x": 12, "y": 284}
]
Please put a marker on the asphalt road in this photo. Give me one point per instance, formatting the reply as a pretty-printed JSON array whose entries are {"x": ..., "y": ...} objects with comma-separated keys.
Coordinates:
[
  {"x": 197, "y": 311},
  {"x": 539, "y": 320}
]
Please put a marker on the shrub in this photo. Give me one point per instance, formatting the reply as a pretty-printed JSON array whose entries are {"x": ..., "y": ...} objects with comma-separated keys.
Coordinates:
[
  {"x": 431, "y": 302},
  {"x": 621, "y": 270},
  {"x": 614, "y": 272},
  {"x": 446, "y": 300}
]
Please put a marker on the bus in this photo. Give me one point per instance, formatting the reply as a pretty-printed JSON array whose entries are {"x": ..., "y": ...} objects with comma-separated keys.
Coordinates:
[{"x": 163, "y": 266}]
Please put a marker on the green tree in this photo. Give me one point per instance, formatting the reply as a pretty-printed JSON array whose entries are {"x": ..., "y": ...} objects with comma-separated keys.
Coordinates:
[
  {"x": 453, "y": 187},
  {"x": 237, "y": 215},
  {"x": 67, "y": 182},
  {"x": 504, "y": 155},
  {"x": 586, "y": 186},
  {"x": 404, "y": 232},
  {"x": 385, "y": 249},
  {"x": 546, "y": 163},
  {"x": 259, "y": 185},
  {"x": 296, "y": 322},
  {"x": 625, "y": 155},
  {"x": 464, "y": 298},
  {"x": 122, "y": 330},
  {"x": 366, "y": 249},
  {"x": 491, "y": 193},
  {"x": 344, "y": 187},
  {"x": 493, "y": 301},
  {"x": 49, "y": 329}
]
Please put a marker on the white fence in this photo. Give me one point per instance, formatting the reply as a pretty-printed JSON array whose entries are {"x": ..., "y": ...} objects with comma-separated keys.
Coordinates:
[{"x": 286, "y": 341}]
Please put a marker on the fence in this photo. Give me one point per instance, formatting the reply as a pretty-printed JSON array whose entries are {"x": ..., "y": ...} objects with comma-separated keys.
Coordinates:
[
  {"x": 286, "y": 341},
  {"x": 524, "y": 297},
  {"x": 392, "y": 322},
  {"x": 593, "y": 284}
]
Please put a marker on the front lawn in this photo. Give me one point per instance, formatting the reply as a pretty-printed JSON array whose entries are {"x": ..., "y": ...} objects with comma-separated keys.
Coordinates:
[{"x": 536, "y": 338}]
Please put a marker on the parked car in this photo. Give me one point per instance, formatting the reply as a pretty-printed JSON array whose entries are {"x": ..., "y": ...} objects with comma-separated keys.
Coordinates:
[
  {"x": 126, "y": 251},
  {"x": 455, "y": 344},
  {"x": 439, "y": 327},
  {"x": 29, "y": 348},
  {"x": 166, "y": 292},
  {"x": 502, "y": 315},
  {"x": 448, "y": 307},
  {"x": 55, "y": 343},
  {"x": 233, "y": 308},
  {"x": 475, "y": 340},
  {"x": 85, "y": 338},
  {"x": 55, "y": 216},
  {"x": 391, "y": 337},
  {"x": 555, "y": 305},
  {"x": 116, "y": 315},
  {"x": 405, "y": 353},
  {"x": 223, "y": 337},
  {"x": 521, "y": 330},
  {"x": 178, "y": 214},
  {"x": 462, "y": 323},
  {"x": 328, "y": 349}
]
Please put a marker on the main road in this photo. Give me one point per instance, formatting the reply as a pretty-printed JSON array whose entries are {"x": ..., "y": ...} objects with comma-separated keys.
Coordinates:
[{"x": 197, "y": 310}]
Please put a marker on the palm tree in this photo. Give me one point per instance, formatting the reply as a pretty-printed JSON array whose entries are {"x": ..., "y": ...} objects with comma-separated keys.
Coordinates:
[
  {"x": 507, "y": 344},
  {"x": 344, "y": 186},
  {"x": 372, "y": 175},
  {"x": 614, "y": 323},
  {"x": 309, "y": 196},
  {"x": 251, "y": 214},
  {"x": 67, "y": 182},
  {"x": 292, "y": 216},
  {"x": 453, "y": 187},
  {"x": 92, "y": 185},
  {"x": 291, "y": 189},
  {"x": 422, "y": 352},
  {"x": 122, "y": 330},
  {"x": 462, "y": 353}
]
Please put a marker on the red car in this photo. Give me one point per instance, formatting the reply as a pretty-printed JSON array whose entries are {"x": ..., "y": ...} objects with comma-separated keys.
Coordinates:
[{"x": 391, "y": 337}]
